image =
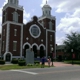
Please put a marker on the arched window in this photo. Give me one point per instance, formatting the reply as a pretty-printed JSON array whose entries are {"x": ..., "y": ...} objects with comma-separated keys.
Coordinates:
[
  {"x": 43, "y": 13},
  {"x": 4, "y": 32},
  {"x": 15, "y": 32},
  {"x": 14, "y": 45},
  {"x": 49, "y": 12},
  {"x": 15, "y": 16},
  {"x": 50, "y": 25},
  {"x": 14, "y": 1},
  {"x": 43, "y": 23},
  {"x": 5, "y": 16},
  {"x": 3, "y": 43},
  {"x": 50, "y": 37},
  {"x": 11, "y": 1}
]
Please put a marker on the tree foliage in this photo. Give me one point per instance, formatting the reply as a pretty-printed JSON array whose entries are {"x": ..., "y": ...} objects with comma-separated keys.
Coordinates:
[{"x": 73, "y": 42}]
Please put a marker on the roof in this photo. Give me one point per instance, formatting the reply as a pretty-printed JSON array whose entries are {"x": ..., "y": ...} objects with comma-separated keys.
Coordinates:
[
  {"x": 46, "y": 5},
  {"x": 60, "y": 47}
]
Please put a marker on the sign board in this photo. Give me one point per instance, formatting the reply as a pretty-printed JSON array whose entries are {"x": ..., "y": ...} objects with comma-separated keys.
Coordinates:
[{"x": 29, "y": 57}]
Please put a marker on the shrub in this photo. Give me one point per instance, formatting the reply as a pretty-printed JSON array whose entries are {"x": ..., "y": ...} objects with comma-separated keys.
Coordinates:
[
  {"x": 2, "y": 62},
  {"x": 36, "y": 62},
  {"x": 29, "y": 64},
  {"x": 21, "y": 62},
  {"x": 14, "y": 61}
]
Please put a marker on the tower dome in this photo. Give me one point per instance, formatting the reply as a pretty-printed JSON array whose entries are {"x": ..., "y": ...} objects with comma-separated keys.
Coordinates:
[
  {"x": 46, "y": 6},
  {"x": 46, "y": 9}
]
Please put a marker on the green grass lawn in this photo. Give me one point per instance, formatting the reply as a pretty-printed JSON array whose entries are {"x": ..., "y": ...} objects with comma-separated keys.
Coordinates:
[
  {"x": 74, "y": 61},
  {"x": 16, "y": 66}
]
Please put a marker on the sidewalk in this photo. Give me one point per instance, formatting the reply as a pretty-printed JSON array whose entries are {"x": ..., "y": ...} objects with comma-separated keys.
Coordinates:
[
  {"x": 59, "y": 64},
  {"x": 56, "y": 64}
]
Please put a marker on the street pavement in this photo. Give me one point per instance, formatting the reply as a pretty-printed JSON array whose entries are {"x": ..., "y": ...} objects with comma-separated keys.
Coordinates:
[{"x": 64, "y": 72}]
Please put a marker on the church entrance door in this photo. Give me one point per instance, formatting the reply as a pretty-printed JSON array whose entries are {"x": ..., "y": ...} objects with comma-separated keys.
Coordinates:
[
  {"x": 8, "y": 57},
  {"x": 41, "y": 52},
  {"x": 35, "y": 51}
]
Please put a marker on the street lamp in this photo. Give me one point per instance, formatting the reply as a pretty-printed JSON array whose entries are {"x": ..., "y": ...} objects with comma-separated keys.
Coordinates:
[
  {"x": 72, "y": 55},
  {"x": 52, "y": 55},
  {"x": 65, "y": 54}
]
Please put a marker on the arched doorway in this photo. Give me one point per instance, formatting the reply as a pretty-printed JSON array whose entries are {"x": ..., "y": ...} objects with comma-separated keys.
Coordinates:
[
  {"x": 42, "y": 52},
  {"x": 26, "y": 47},
  {"x": 8, "y": 57},
  {"x": 35, "y": 51}
]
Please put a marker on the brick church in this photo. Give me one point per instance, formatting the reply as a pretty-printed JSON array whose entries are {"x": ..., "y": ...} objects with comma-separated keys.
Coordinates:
[{"x": 37, "y": 34}]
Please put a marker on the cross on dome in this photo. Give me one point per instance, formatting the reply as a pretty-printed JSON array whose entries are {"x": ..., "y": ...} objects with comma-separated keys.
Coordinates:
[{"x": 46, "y": 1}]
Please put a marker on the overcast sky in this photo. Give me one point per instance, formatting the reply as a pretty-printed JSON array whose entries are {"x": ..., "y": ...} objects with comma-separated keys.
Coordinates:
[{"x": 67, "y": 14}]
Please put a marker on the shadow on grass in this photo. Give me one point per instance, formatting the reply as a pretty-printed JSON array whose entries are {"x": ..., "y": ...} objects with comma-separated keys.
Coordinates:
[{"x": 74, "y": 62}]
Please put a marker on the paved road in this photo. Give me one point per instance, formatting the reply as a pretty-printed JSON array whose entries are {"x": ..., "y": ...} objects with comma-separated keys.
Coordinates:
[{"x": 55, "y": 73}]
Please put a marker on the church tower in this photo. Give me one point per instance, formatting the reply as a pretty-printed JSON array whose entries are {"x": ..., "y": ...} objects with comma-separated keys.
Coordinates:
[
  {"x": 49, "y": 23},
  {"x": 12, "y": 30}
]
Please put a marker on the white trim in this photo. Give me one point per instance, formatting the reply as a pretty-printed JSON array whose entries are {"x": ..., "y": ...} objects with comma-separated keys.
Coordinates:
[
  {"x": 8, "y": 31},
  {"x": 27, "y": 38},
  {"x": 17, "y": 57},
  {"x": 41, "y": 25},
  {"x": 1, "y": 45},
  {"x": 38, "y": 29},
  {"x": 34, "y": 44},
  {"x": 6, "y": 54},
  {"x": 49, "y": 17},
  {"x": 50, "y": 30},
  {"x": 16, "y": 45},
  {"x": 46, "y": 43},
  {"x": 37, "y": 21},
  {"x": 15, "y": 41},
  {"x": 55, "y": 45},
  {"x": 42, "y": 45},
  {"x": 15, "y": 32},
  {"x": 47, "y": 39},
  {"x": 21, "y": 41},
  {"x": 12, "y": 6},
  {"x": 7, "y": 37},
  {"x": 41, "y": 40},
  {"x": 10, "y": 22},
  {"x": 27, "y": 44}
]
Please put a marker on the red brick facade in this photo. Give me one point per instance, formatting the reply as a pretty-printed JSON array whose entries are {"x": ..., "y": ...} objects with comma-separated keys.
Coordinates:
[{"x": 21, "y": 34}]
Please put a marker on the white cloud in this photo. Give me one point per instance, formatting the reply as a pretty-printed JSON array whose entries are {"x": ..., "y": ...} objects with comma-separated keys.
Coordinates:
[
  {"x": 63, "y": 5},
  {"x": 25, "y": 16},
  {"x": 69, "y": 23},
  {"x": 59, "y": 40},
  {"x": 24, "y": 21},
  {"x": 43, "y": 2},
  {"x": 5, "y": 2},
  {"x": 1, "y": 15},
  {"x": 71, "y": 20},
  {"x": 76, "y": 13}
]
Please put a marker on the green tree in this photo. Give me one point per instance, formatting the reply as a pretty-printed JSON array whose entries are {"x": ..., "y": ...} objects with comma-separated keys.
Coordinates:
[{"x": 73, "y": 42}]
